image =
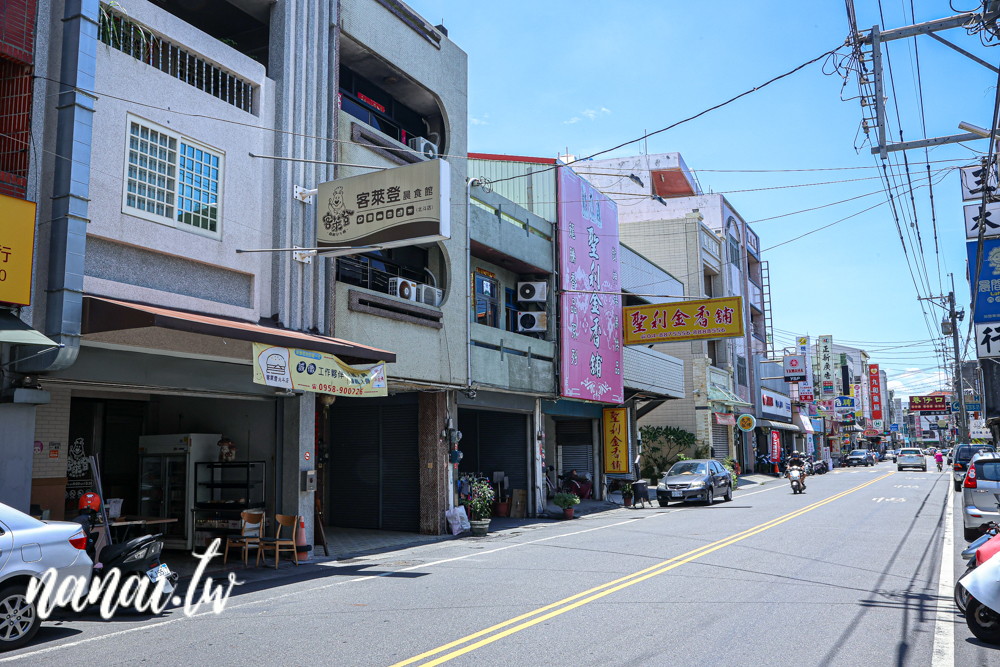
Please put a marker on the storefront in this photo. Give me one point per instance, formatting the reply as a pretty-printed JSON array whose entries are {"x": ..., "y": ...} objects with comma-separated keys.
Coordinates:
[
  {"x": 495, "y": 446},
  {"x": 572, "y": 436}
]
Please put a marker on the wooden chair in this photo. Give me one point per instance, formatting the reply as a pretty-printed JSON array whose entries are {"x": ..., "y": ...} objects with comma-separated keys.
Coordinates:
[
  {"x": 276, "y": 543},
  {"x": 250, "y": 533}
]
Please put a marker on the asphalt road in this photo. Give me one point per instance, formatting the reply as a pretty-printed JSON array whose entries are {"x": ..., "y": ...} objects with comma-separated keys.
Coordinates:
[{"x": 845, "y": 574}]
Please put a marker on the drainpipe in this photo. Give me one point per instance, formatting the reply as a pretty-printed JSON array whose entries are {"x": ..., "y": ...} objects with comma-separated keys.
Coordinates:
[
  {"x": 70, "y": 187},
  {"x": 468, "y": 280}
]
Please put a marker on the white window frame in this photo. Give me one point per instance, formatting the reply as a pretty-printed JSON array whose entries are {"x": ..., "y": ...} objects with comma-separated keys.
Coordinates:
[{"x": 162, "y": 219}]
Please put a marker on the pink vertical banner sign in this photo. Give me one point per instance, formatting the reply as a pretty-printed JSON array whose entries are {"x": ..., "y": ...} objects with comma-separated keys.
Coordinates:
[{"x": 590, "y": 302}]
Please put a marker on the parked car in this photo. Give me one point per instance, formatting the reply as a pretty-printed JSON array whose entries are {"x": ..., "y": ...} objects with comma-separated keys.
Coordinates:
[
  {"x": 858, "y": 457},
  {"x": 962, "y": 454},
  {"x": 697, "y": 479},
  {"x": 911, "y": 457},
  {"x": 979, "y": 493},
  {"x": 29, "y": 547}
]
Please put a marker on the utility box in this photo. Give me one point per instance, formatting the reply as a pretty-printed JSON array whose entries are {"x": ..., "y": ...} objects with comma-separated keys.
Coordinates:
[{"x": 308, "y": 480}]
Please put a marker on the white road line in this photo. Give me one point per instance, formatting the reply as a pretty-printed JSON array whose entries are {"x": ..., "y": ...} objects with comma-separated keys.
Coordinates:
[
  {"x": 744, "y": 495},
  {"x": 944, "y": 625}
]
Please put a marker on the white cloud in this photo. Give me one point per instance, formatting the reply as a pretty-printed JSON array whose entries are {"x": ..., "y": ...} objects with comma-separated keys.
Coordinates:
[
  {"x": 594, "y": 114},
  {"x": 477, "y": 121},
  {"x": 572, "y": 120}
]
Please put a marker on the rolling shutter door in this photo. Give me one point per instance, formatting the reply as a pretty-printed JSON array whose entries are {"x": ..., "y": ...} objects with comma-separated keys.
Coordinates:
[
  {"x": 503, "y": 446},
  {"x": 400, "y": 468},
  {"x": 354, "y": 466},
  {"x": 575, "y": 437},
  {"x": 720, "y": 441}
]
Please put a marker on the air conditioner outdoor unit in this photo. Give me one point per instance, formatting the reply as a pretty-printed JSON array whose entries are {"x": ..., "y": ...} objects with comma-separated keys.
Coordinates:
[
  {"x": 531, "y": 321},
  {"x": 404, "y": 289},
  {"x": 425, "y": 147},
  {"x": 430, "y": 295},
  {"x": 532, "y": 291}
]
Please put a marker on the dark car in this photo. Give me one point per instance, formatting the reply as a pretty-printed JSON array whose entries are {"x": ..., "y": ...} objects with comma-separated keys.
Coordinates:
[
  {"x": 697, "y": 479},
  {"x": 858, "y": 457},
  {"x": 961, "y": 455}
]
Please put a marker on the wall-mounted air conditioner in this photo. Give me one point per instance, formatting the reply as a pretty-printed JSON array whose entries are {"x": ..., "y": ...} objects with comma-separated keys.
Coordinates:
[
  {"x": 430, "y": 295},
  {"x": 531, "y": 321},
  {"x": 532, "y": 291},
  {"x": 404, "y": 289},
  {"x": 425, "y": 147}
]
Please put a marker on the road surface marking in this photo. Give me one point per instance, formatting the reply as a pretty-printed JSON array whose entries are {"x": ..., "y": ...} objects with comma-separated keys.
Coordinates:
[
  {"x": 611, "y": 587},
  {"x": 944, "y": 625}
]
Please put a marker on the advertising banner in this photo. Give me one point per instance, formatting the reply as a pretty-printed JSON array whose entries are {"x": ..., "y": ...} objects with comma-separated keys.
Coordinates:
[
  {"x": 403, "y": 205},
  {"x": 775, "y": 446},
  {"x": 725, "y": 418},
  {"x": 305, "y": 370},
  {"x": 616, "y": 440},
  {"x": 775, "y": 405},
  {"x": 683, "y": 321},
  {"x": 985, "y": 287},
  {"x": 827, "y": 370},
  {"x": 794, "y": 368},
  {"x": 17, "y": 250},
  {"x": 875, "y": 391},
  {"x": 928, "y": 405},
  {"x": 806, "y": 389},
  {"x": 590, "y": 303}
]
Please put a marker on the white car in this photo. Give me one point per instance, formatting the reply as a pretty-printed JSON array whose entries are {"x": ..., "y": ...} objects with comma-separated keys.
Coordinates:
[
  {"x": 911, "y": 457},
  {"x": 29, "y": 547}
]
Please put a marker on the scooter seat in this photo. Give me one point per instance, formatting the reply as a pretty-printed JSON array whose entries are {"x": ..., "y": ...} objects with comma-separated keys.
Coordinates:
[{"x": 112, "y": 552}]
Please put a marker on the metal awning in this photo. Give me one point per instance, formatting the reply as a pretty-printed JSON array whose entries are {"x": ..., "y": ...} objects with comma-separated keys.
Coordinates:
[
  {"x": 16, "y": 332},
  {"x": 718, "y": 394},
  {"x": 765, "y": 423},
  {"x": 100, "y": 314}
]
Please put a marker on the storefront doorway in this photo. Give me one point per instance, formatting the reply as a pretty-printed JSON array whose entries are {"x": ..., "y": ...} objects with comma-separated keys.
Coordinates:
[
  {"x": 495, "y": 442},
  {"x": 575, "y": 441}
]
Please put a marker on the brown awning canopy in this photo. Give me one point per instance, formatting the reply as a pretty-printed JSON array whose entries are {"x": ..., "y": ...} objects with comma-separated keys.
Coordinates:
[{"x": 101, "y": 314}]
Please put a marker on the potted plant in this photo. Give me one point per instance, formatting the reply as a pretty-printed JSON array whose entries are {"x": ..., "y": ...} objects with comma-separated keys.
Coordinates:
[
  {"x": 566, "y": 501},
  {"x": 627, "y": 494},
  {"x": 480, "y": 506}
]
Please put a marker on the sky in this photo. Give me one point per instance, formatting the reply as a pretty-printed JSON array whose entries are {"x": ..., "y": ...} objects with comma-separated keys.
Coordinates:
[{"x": 554, "y": 75}]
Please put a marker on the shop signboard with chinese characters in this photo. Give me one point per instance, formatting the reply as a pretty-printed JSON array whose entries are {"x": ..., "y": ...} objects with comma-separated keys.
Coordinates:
[
  {"x": 590, "y": 302},
  {"x": 616, "y": 458},
  {"x": 875, "y": 391},
  {"x": 17, "y": 250},
  {"x": 973, "y": 220},
  {"x": 684, "y": 321},
  {"x": 806, "y": 389},
  {"x": 985, "y": 287},
  {"x": 306, "y": 370},
  {"x": 392, "y": 207},
  {"x": 746, "y": 422},
  {"x": 844, "y": 404},
  {"x": 794, "y": 368},
  {"x": 988, "y": 340},
  {"x": 827, "y": 368},
  {"x": 775, "y": 446},
  {"x": 930, "y": 405},
  {"x": 973, "y": 179}
]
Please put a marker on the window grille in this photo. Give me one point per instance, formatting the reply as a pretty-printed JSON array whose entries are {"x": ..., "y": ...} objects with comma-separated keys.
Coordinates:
[
  {"x": 119, "y": 32},
  {"x": 15, "y": 123}
]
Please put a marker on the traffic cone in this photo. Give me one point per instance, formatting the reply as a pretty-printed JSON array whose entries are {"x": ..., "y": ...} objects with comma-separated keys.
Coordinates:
[{"x": 301, "y": 547}]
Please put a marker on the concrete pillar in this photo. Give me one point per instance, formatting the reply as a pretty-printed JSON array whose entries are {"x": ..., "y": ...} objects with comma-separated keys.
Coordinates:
[
  {"x": 433, "y": 415},
  {"x": 17, "y": 438},
  {"x": 298, "y": 442}
]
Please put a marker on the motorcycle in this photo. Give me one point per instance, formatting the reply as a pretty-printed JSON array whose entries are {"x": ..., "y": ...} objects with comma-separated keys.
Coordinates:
[
  {"x": 990, "y": 530},
  {"x": 982, "y": 614},
  {"x": 795, "y": 479}
]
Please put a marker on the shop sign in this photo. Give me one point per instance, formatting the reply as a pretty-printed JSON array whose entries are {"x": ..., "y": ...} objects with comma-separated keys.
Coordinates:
[
  {"x": 306, "y": 370},
  {"x": 894, "y": 428},
  {"x": 985, "y": 287},
  {"x": 725, "y": 419},
  {"x": 970, "y": 405},
  {"x": 827, "y": 370},
  {"x": 17, "y": 250},
  {"x": 394, "y": 207},
  {"x": 590, "y": 305},
  {"x": 988, "y": 340},
  {"x": 684, "y": 321},
  {"x": 875, "y": 391},
  {"x": 775, "y": 446},
  {"x": 972, "y": 179},
  {"x": 806, "y": 392},
  {"x": 974, "y": 220},
  {"x": 870, "y": 432},
  {"x": 794, "y": 367},
  {"x": 844, "y": 404},
  {"x": 746, "y": 422},
  {"x": 775, "y": 405},
  {"x": 878, "y": 425},
  {"x": 616, "y": 459},
  {"x": 936, "y": 404}
]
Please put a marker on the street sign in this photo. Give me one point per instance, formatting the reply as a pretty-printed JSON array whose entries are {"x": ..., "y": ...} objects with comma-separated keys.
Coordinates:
[
  {"x": 746, "y": 422},
  {"x": 970, "y": 406},
  {"x": 972, "y": 220},
  {"x": 972, "y": 183},
  {"x": 794, "y": 366},
  {"x": 894, "y": 428}
]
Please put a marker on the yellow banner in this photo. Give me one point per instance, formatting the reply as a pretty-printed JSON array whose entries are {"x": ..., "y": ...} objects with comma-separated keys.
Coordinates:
[
  {"x": 683, "y": 321},
  {"x": 17, "y": 249},
  {"x": 305, "y": 370},
  {"x": 616, "y": 440}
]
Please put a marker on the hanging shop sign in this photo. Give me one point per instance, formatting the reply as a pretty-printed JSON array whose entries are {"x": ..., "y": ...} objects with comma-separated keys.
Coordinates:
[
  {"x": 306, "y": 370},
  {"x": 775, "y": 405},
  {"x": 894, "y": 428},
  {"x": 590, "y": 271},
  {"x": 974, "y": 220},
  {"x": 971, "y": 405},
  {"x": 17, "y": 250},
  {"x": 875, "y": 391},
  {"x": 616, "y": 441},
  {"x": 973, "y": 180},
  {"x": 930, "y": 405},
  {"x": 393, "y": 207},
  {"x": 827, "y": 373},
  {"x": 985, "y": 287},
  {"x": 988, "y": 340},
  {"x": 794, "y": 367},
  {"x": 725, "y": 419},
  {"x": 844, "y": 404},
  {"x": 746, "y": 422},
  {"x": 806, "y": 391},
  {"x": 687, "y": 320},
  {"x": 775, "y": 446}
]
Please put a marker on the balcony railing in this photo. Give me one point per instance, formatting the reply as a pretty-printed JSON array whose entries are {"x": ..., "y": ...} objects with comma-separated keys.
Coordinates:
[{"x": 121, "y": 33}]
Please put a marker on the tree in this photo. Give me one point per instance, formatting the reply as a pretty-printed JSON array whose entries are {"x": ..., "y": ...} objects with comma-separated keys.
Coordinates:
[{"x": 662, "y": 446}]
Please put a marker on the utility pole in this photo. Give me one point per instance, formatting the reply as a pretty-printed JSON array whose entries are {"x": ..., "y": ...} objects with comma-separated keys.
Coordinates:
[{"x": 963, "y": 433}]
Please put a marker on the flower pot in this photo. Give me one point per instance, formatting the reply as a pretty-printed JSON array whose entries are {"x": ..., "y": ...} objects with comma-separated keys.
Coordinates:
[
  {"x": 480, "y": 527},
  {"x": 503, "y": 509},
  {"x": 568, "y": 513},
  {"x": 627, "y": 501}
]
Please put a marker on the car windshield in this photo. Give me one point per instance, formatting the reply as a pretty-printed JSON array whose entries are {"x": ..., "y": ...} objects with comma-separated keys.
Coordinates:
[
  {"x": 989, "y": 470},
  {"x": 858, "y": 452},
  {"x": 686, "y": 468},
  {"x": 910, "y": 452}
]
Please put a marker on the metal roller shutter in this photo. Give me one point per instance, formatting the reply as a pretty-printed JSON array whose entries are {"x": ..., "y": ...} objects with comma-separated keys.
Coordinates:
[
  {"x": 400, "y": 468},
  {"x": 493, "y": 442},
  {"x": 354, "y": 466},
  {"x": 720, "y": 441},
  {"x": 575, "y": 437}
]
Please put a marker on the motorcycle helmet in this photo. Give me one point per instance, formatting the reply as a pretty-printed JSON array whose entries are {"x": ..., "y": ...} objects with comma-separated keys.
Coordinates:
[{"x": 90, "y": 501}]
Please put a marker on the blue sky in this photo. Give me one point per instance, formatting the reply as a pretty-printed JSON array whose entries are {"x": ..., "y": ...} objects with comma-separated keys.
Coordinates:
[{"x": 544, "y": 76}]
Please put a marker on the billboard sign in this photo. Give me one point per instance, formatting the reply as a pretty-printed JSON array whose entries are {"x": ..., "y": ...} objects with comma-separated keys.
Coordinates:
[
  {"x": 985, "y": 287},
  {"x": 305, "y": 370},
  {"x": 973, "y": 220},
  {"x": 806, "y": 390},
  {"x": 684, "y": 321},
  {"x": 616, "y": 458},
  {"x": 775, "y": 405},
  {"x": 590, "y": 270},
  {"x": 794, "y": 368},
  {"x": 17, "y": 250},
  {"x": 930, "y": 405},
  {"x": 875, "y": 391},
  {"x": 827, "y": 369}
]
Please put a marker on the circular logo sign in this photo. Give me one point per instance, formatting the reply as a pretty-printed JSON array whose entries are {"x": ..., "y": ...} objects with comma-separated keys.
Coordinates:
[
  {"x": 307, "y": 456},
  {"x": 746, "y": 422}
]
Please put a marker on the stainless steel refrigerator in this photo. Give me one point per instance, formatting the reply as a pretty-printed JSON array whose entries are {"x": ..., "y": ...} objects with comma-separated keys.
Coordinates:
[{"x": 167, "y": 481}]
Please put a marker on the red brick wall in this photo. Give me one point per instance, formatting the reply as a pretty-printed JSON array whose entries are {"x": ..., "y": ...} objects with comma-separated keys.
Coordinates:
[{"x": 17, "y": 29}]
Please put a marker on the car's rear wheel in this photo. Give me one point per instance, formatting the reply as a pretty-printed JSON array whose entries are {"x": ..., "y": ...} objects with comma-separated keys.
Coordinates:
[
  {"x": 662, "y": 501},
  {"x": 983, "y": 622},
  {"x": 19, "y": 619},
  {"x": 729, "y": 493},
  {"x": 899, "y": 468}
]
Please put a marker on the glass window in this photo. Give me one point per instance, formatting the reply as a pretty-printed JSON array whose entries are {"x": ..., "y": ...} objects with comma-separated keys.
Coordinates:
[
  {"x": 355, "y": 109},
  {"x": 741, "y": 371},
  {"x": 487, "y": 301},
  {"x": 510, "y": 308},
  {"x": 686, "y": 468}
]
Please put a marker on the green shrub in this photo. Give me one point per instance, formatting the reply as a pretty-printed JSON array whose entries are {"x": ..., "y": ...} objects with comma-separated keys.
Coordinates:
[
  {"x": 481, "y": 501},
  {"x": 566, "y": 500}
]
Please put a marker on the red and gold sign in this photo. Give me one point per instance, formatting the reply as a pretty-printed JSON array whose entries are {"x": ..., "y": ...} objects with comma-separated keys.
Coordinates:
[
  {"x": 616, "y": 441},
  {"x": 932, "y": 404},
  {"x": 683, "y": 321}
]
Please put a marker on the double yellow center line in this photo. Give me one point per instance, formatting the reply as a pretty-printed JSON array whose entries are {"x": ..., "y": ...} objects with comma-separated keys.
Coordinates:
[{"x": 542, "y": 614}]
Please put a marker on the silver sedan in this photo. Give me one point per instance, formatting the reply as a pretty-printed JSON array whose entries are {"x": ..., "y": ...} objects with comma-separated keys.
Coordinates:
[{"x": 29, "y": 547}]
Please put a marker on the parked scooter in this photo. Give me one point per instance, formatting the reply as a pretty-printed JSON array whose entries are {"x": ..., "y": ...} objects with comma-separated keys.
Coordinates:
[
  {"x": 982, "y": 614},
  {"x": 971, "y": 556}
]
